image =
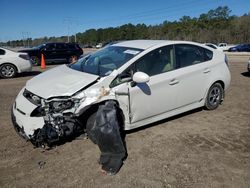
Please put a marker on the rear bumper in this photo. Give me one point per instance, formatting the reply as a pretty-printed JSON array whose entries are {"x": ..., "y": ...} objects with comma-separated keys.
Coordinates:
[{"x": 26, "y": 66}]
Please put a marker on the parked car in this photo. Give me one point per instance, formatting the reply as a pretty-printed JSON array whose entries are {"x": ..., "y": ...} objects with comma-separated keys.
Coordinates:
[
  {"x": 224, "y": 46},
  {"x": 240, "y": 48},
  {"x": 214, "y": 46},
  {"x": 149, "y": 80},
  {"x": 54, "y": 52},
  {"x": 99, "y": 45},
  {"x": 12, "y": 63}
]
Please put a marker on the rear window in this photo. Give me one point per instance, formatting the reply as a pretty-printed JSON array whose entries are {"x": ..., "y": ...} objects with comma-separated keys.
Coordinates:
[
  {"x": 208, "y": 55},
  {"x": 72, "y": 46},
  {"x": 187, "y": 54},
  {"x": 2, "y": 52},
  {"x": 61, "y": 46}
]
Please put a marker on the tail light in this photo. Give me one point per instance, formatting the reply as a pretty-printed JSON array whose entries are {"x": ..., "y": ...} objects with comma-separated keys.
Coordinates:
[{"x": 24, "y": 56}]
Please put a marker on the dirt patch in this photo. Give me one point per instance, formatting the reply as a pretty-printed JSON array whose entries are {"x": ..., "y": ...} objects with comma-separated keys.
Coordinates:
[{"x": 197, "y": 149}]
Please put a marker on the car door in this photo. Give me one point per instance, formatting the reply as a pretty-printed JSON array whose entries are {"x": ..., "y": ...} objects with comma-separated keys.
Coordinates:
[
  {"x": 61, "y": 52},
  {"x": 49, "y": 51},
  {"x": 192, "y": 73},
  {"x": 159, "y": 94}
]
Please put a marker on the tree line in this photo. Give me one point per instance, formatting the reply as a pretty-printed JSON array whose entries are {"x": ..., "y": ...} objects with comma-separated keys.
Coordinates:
[{"x": 215, "y": 26}]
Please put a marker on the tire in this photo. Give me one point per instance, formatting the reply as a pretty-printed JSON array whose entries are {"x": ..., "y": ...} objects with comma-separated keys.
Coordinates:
[
  {"x": 8, "y": 70},
  {"x": 214, "y": 96},
  {"x": 35, "y": 60}
]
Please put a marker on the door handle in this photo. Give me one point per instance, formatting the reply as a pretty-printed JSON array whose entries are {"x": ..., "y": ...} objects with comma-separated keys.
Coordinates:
[
  {"x": 173, "y": 82},
  {"x": 206, "y": 70}
]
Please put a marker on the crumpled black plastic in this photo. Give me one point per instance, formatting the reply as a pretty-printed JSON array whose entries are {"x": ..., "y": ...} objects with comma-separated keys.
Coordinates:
[{"x": 105, "y": 132}]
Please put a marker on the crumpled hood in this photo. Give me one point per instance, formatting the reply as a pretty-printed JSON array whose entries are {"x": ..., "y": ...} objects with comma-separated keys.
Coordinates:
[{"x": 59, "y": 81}]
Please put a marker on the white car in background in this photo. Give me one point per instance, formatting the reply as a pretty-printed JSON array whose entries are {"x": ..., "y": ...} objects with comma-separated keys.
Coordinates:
[
  {"x": 224, "y": 46},
  {"x": 12, "y": 63},
  {"x": 149, "y": 80},
  {"x": 214, "y": 46}
]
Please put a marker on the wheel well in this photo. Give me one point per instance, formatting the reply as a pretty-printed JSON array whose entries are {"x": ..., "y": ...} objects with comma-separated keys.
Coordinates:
[
  {"x": 94, "y": 108},
  {"x": 7, "y": 63},
  {"x": 221, "y": 83}
]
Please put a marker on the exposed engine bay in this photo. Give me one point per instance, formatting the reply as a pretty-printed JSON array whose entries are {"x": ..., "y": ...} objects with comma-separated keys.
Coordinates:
[{"x": 60, "y": 121}]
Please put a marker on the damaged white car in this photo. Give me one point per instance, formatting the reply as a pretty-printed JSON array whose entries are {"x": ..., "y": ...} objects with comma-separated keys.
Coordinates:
[{"x": 147, "y": 80}]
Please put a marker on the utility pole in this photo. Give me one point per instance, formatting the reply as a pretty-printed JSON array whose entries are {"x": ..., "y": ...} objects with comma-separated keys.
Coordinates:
[
  {"x": 25, "y": 38},
  {"x": 70, "y": 21}
]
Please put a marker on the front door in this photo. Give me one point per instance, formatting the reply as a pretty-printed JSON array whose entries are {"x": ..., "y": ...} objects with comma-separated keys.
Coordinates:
[{"x": 159, "y": 94}]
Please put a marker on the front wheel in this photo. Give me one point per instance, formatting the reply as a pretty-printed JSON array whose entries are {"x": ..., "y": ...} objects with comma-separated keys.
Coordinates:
[
  {"x": 214, "y": 96},
  {"x": 8, "y": 71}
]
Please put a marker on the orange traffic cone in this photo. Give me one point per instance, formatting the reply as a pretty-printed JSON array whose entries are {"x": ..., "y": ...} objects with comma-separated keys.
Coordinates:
[{"x": 43, "y": 65}]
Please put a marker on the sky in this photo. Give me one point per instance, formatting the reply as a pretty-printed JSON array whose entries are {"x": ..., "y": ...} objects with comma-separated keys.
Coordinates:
[{"x": 39, "y": 18}]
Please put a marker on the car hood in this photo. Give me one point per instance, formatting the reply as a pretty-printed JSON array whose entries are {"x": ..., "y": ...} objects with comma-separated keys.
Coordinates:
[{"x": 59, "y": 81}]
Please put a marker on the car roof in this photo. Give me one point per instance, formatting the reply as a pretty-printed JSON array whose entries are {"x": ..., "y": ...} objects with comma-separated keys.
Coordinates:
[
  {"x": 141, "y": 44},
  {"x": 60, "y": 43},
  {"x": 145, "y": 44}
]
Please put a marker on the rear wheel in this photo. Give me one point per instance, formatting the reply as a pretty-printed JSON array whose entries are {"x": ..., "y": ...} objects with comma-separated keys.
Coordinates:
[
  {"x": 8, "y": 71},
  {"x": 214, "y": 96},
  {"x": 35, "y": 60}
]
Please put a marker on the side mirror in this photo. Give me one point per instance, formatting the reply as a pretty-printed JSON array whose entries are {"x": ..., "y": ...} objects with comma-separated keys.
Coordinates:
[{"x": 140, "y": 77}]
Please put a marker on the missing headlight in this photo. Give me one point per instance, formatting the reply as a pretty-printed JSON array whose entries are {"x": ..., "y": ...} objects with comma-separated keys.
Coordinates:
[
  {"x": 59, "y": 106},
  {"x": 34, "y": 99}
]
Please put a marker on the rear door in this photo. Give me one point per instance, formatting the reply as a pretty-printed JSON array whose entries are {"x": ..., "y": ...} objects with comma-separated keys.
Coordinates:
[
  {"x": 61, "y": 52},
  {"x": 192, "y": 72}
]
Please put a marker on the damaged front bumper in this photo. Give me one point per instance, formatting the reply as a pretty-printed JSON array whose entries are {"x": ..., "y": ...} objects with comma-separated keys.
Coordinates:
[
  {"x": 23, "y": 123},
  {"x": 41, "y": 129}
]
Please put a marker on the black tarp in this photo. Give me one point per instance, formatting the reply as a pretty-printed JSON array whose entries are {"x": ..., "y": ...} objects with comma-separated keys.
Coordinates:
[{"x": 105, "y": 132}]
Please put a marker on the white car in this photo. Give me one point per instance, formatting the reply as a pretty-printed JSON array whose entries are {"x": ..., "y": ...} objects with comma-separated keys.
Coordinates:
[
  {"x": 224, "y": 46},
  {"x": 12, "y": 63},
  {"x": 213, "y": 46},
  {"x": 149, "y": 80}
]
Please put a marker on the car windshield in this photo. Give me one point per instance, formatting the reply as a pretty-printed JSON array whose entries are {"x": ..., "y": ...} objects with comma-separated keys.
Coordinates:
[
  {"x": 104, "y": 61},
  {"x": 38, "y": 47}
]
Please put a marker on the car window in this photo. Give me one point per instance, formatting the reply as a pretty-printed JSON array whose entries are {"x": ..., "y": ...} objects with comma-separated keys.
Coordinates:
[
  {"x": 104, "y": 61},
  {"x": 125, "y": 76},
  {"x": 187, "y": 55},
  {"x": 71, "y": 46},
  {"x": 212, "y": 46},
  {"x": 61, "y": 46},
  {"x": 157, "y": 61},
  {"x": 208, "y": 55},
  {"x": 50, "y": 47},
  {"x": 2, "y": 52}
]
